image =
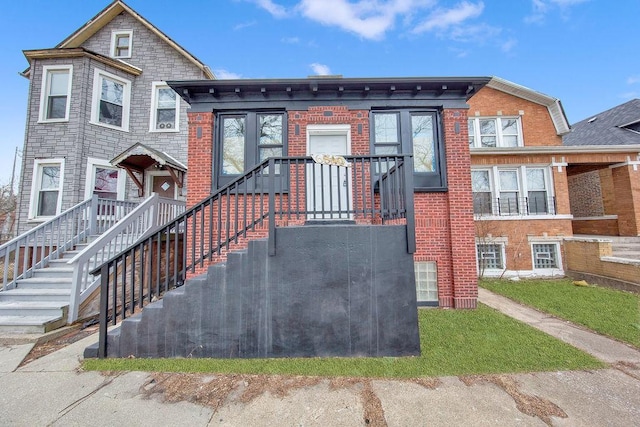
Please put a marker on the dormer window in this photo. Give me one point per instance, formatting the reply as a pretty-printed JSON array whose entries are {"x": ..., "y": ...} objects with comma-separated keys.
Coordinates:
[{"x": 121, "y": 43}]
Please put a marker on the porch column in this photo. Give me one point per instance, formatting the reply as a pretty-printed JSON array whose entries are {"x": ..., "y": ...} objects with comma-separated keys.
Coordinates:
[
  {"x": 460, "y": 199},
  {"x": 200, "y": 157},
  {"x": 626, "y": 184}
]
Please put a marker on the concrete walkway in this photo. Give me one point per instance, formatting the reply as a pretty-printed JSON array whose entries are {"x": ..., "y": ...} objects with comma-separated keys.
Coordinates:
[{"x": 53, "y": 391}]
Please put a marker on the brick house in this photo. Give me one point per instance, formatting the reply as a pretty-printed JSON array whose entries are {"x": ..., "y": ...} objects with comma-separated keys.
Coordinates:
[
  {"x": 536, "y": 181},
  {"x": 100, "y": 95},
  {"x": 604, "y": 184},
  {"x": 333, "y": 115}
]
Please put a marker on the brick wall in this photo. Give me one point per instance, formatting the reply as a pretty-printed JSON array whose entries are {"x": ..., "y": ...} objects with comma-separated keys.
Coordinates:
[
  {"x": 586, "y": 195},
  {"x": 626, "y": 183},
  {"x": 585, "y": 256},
  {"x": 444, "y": 221},
  {"x": 537, "y": 126}
]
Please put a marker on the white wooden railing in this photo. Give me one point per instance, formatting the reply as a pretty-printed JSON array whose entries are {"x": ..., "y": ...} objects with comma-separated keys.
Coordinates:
[
  {"x": 153, "y": 212},
  {"x": 50, "y": 240}
]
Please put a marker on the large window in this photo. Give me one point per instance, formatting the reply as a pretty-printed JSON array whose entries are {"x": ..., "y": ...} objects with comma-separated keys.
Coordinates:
[
  {"x": 121, "y": 43},
  {"x": 111, "y": 96},
  {"x": 489, "y": 132},
  {"x": 46, "y": 189},
  {"x": 247, "y": 139},
  {"x": 165, "y": 108},
  {"x": 413, "y": 132},
  {"x": 56, "y": 92},
  {"x": 522, "y": 190}
]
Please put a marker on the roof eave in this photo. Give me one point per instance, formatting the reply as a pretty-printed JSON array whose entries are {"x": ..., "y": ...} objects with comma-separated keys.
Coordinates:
[
  {"x": 557, "y": 149},
  {"x": 556, "y": 111},
  {"x": 77, "y": 53}
]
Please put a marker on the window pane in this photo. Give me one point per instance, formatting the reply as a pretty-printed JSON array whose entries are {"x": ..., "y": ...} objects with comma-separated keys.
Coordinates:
[
  {"x": 270, "y": 129},
  {"x": 59, "y": 83},
  {"x": 265, "y": 153},
  {"x": 112, "y": 91},
  {"x": 508, "y": 181},
  {"x": 509, "y": 203},
  {"x": 482, "y": 204},
  {"x": 537, "y": 202},
  {"x": 50, "y": 178},
  {"x": 423, "y": 143},
  {"x": 509, "y": 141},
  {"x": 472, "y": 133},
  {"x": 488, "y": 132},
  {"x": 535, "y": 179},
  {"x": 480, "y": 181},
  {"x": 123, "y": 40},
  {"x": 165, "y": 119},
  {"x": 57, "y": 107},
  {"x": 509, "y": 127},
  {"x": 426, "y": 281},
  {"x": 386, "y": 128},
  {"x": 386, "y": 149},
  {"x": 110, "y": 114},
  {"x": 106, "y": 180},
  {"x": 490, "y": 257},
  {"x": 166, "y": 98},
  {"x": 545, "y": 255},
  {"x": 233, "y": 143},
  {"x": 47, "y": 203}
]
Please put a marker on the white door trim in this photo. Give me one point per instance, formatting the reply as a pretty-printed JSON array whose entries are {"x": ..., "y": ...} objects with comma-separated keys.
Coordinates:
[
  {"x": 149, "y": 182},
  {"x": 329, "y": 130}
]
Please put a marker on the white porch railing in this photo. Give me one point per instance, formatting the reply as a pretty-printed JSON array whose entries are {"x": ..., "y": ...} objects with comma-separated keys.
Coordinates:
[
  {"x": 153, "y": 212},
  {"x": 48, "y": 241}
]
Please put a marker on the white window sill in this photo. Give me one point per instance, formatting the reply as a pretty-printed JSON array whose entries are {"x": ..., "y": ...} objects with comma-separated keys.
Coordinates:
[
  {"x": 104, "y": 125},
  {"x": 519, "y": 217},
  {"x": 172, "y": 130},
  {"x": 53, "y": 121}
]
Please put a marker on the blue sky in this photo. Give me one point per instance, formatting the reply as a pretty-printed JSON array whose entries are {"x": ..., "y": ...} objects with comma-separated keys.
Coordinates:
[{"x": 584, "y": 52}]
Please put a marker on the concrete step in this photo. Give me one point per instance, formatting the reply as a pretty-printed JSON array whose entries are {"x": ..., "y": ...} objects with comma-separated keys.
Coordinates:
[
  {"x": 30, "y": 324},
  {"x": 22, "y": 294},
  {"x": 34, "y": 308},
  {"x": 45, "y": 283}
]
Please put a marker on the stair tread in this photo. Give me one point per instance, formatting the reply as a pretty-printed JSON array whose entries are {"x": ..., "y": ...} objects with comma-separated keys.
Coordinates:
[
  {"x": 47, "y": 279},
  {"x": 32, "y": 304},
  {"x": 27, "y": 320},
  {"x": 28, "y": 291}
]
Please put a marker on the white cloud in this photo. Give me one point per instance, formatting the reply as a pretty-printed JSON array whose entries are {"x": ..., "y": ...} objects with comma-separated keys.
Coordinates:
[
  {"x": 631, "y": 80},
  {"x": 543, "y": 7},
  {"x": 508, "y": 45},
  {"x": 223, "y": 74},
  {"x": 479, "y": 33},
  {"x": 290, "y": 40},
  {"x": 274, "y": 9},
  {"x": 442, "y": 19},
  {"x": 242, "y": 25},
  {"x": 320, "y": 69},
  {"x": 369, "y": 19}
]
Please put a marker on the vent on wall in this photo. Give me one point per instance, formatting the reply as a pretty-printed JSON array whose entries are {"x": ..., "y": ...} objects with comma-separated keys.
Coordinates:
[{"x": 167, "y": 125}]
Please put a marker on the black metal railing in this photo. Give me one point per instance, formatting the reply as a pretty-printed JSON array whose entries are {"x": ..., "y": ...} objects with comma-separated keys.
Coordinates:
[
  {"x": 283, "y": 191},
  {"x": 510, "y": 206}
]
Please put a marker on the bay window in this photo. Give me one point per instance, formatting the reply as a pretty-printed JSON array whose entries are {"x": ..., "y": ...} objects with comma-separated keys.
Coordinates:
[
  {"x": 56, "y": 92},
  {"x": 111, "y": 96}
]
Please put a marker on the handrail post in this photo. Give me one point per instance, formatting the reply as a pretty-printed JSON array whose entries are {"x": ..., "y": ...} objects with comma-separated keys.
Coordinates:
[
  {"x": 104, "y": 308},
  {"x": 272, "y": 207},
  {"x": 408, "y": 197},
  {"x": 93, "y": 216}
]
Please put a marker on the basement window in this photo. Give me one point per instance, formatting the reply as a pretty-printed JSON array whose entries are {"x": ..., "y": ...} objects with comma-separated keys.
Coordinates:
[
  {"x": 426, "y": 273},
  {"x": 546, "y": 255}
]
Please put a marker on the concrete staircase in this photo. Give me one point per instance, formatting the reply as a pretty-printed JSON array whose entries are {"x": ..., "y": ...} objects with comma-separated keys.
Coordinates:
[
  {"x": 40, "y": 303},
  {"x": 626, "y": 248}
]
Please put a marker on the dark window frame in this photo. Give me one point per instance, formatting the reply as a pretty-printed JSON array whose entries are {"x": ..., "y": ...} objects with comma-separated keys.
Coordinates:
[
  {"x": 435, "y": 181},
  {"x": 252, "y": 142}
]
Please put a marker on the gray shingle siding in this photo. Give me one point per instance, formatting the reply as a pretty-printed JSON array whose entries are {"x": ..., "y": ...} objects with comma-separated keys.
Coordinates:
[{"x": 78, "y": 139}]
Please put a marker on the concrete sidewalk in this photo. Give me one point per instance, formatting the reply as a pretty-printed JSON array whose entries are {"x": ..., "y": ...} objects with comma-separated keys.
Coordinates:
[{"x": 53, "y": 391}]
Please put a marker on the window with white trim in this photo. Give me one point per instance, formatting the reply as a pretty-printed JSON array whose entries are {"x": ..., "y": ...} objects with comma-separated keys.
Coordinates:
[
  {"x": 491, "y": 132},
  {"x": 121, "y": 43},
  {"x": 46, "y": 189},
  {"x": 56, "y": 93},
  {"x": 165, "y": 108},
  {"x": 503, "y": 191},
  {"x": 426, "y": 273},
  {"x": 545, "y": 255},
  {"x": 490, "y": 256},
  {"x": 104, "y": 180},
  {"x": 111, "y": 98}
]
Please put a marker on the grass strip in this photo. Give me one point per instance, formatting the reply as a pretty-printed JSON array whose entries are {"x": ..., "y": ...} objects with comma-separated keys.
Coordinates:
[
  {"x": 607, "y": 311},
  {"x": 453, "y": 342}
]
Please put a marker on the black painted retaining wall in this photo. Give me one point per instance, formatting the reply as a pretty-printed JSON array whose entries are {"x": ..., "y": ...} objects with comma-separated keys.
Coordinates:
[{"x": 330, "y": 290}]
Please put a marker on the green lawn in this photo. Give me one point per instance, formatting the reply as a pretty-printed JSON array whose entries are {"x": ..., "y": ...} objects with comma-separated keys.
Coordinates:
[
  {"x": 607, "y": 311},
  {"x": 454, "y": 342}
]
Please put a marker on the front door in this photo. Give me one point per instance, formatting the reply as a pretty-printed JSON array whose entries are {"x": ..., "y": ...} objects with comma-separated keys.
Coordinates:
[
  {"x": 328, "y": 186},
  {"x": 164, "y": 186}
]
